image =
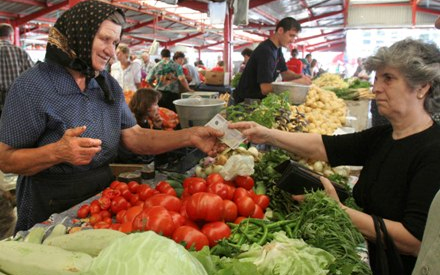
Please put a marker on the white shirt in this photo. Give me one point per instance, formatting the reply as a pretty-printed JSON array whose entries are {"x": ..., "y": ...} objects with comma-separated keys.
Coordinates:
[{"x": 129, "y": 77}]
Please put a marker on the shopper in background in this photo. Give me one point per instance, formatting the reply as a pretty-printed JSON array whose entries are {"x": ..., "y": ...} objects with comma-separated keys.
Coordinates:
[
  {"x": 13, "y": 61},
  {"x": 145, "y": 108},
  {"x": 126, "y": 71},
  {"x": 294, "y": 64},
  {"x": 400, "y": 161},
  {"x": 7, "y": 215},
  {"x": 168, "y": 76},
  {"x": 179, "y": 58},
  {"x": 65, "y": 117},
  {"x": 428, "y": 258},
  {"x": 220, "y": 67},
  {"x": 307, "y": 61},
  {"x": 193, "y": 73},
  {"x": 314, "y": 68},
  {"x": 246, "y": 53},
  {"x": 147, "y": 64},
  {"x": 267, "y": 62}
]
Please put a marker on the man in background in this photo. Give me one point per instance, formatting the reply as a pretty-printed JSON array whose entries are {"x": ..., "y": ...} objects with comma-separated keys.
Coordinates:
[
  {"x": 267, "y": 62},
  {"x": 13, "y": 61},
  {"x": 246, "y": 53}
]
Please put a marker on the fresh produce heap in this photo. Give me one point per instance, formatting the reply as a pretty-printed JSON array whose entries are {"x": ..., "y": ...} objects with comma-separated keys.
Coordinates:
[
  {"x": 349, "y": 89},
  {"x": 274, "y": 111},
  {"x": 323, "y": 111},
  {"x": 243, "y": 226}
]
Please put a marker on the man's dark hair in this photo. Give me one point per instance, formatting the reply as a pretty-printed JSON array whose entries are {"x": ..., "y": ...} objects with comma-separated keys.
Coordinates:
[
  {"x": 165, "y": 53},
  {"x": 288, "y": 23},
  {"x": 247, "y": 52},
  {"x": 308, "y": 55},
  {"x": 294, "y": 52},
  {"x": 6, "y": 30},
  {"x": 178, "y": 55}
]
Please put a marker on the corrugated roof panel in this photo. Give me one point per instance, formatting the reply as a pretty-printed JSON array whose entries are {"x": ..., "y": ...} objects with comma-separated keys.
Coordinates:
[{"x": 359, "y": 16}]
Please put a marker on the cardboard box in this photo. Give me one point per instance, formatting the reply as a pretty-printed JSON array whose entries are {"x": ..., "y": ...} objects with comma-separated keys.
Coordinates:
[{"x": 214, "y": 78}]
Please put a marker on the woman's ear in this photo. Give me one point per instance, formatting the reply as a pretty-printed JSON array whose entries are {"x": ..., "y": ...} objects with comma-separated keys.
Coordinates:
[{"x": 423, "y": 90}]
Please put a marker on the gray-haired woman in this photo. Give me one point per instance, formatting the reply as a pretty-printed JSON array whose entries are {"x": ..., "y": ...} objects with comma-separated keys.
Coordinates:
[{"x": 400, "y": 161}]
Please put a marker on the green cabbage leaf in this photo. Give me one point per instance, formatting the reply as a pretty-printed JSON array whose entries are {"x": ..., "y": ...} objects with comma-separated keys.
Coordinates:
[{"x": 145, "y": 253}]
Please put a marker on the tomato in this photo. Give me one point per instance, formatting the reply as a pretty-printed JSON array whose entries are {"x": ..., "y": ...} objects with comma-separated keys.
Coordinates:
[
  {"x": 134, "y": 199},
  {"x": 162, "y": 185},
  {"x": 230, "y": 212},
  {"x": 187, "y": 181},
  {"x": 114, "y": 184},
  {"x": 101, "y": 225},
  {"x": 178, "y": 219},
  {"x": 216, "y": 231},
  {"x": 214, "y": 178},
  {"x": 104, "y": 203},
  {"x": 83, "y": 211},
  {"x": 258, "y": 212},
  {"x": 196, "y": 187},
  {"x": 170, "y": 191},
  {"x": 120, "y": 216},
  {"x": 247, "y": 182},
  {"x": 131, "y": 213},
  {"x": 95, "y": 218},
  {"x": 139, "y": 203},
  {"x": 205, "y": 206},
  {"x": 156, "y": 218},
  {"x": 240, "y": 192},
  {"x": 246, "y": 206},
  {"x": 126, "y": 227},
  {"x": 126, "y": 194},
  {"x": 239, "y": 220},
  {"x": 110, "y": 193},
  {"x": 262, "y": 200},
  {"x": 107, "y": 220},
  {"x": 229, "y": 182},
  {"x": 191, "y": 237},
  {"x": 133, "y": 186},
  {"x": 119, "y": 203},
  {"x": 115, "y": 226},
  {"x": 95, "y": 207},
  {"x": 169, "y": 202},
  {"x": 221, "y": 189},
  {"x": 121, "y": 186},
  {"x": 145, "y": 191},
  {"x": 105, "y": 214}
]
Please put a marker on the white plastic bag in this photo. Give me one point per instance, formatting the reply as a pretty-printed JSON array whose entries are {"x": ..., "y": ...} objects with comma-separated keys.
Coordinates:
[{"x": 238, "y": 165}]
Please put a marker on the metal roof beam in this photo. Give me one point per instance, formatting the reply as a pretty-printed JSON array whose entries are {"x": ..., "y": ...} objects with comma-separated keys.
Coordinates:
[
  {"x": 318, "y": 35},
  {"x": 28, "y": 2},
  {"x": 20, "y": 21}
]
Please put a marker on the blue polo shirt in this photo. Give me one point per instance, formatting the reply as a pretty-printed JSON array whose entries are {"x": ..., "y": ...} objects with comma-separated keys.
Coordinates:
[
  {"x": 264, "y": 66},
  {"x": 45, "y": 101}
]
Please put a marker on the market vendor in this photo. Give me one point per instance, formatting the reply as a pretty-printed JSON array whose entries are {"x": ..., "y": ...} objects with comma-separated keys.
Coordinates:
[
  {"x": 400, "y": 161},
  {"x": 267, "y": 62},
  {"x": 64, "y": 118}
]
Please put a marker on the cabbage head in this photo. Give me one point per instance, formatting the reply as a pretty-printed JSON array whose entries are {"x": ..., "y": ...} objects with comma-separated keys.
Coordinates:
[{"x": 145, "y": 253}]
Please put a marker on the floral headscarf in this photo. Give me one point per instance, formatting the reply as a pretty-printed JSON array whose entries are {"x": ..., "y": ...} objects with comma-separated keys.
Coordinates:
[{"x": 71, "y": 39}]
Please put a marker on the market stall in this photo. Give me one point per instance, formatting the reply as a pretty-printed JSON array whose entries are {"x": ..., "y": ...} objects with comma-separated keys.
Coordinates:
[{"x": 225, "y": 215}]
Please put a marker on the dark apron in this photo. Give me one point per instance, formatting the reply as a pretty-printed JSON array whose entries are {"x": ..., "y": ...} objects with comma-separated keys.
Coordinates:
[{"x": 41, "y": 195}]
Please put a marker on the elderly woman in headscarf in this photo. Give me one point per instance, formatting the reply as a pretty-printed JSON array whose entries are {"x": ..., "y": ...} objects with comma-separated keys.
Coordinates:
[{"x": 64, "y": 118}]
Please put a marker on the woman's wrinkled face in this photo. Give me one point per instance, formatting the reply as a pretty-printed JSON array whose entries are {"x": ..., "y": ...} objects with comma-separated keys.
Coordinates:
[
  {"x": 104, "y": 44},
  {"x": 394, "y": 97}
]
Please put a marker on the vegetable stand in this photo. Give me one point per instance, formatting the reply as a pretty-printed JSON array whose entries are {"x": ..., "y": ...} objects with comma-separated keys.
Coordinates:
[{"x": 207, "y": 223}]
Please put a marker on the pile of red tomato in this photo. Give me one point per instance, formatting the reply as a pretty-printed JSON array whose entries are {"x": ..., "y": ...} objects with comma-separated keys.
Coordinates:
[{"x": 198, "y": 218}]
